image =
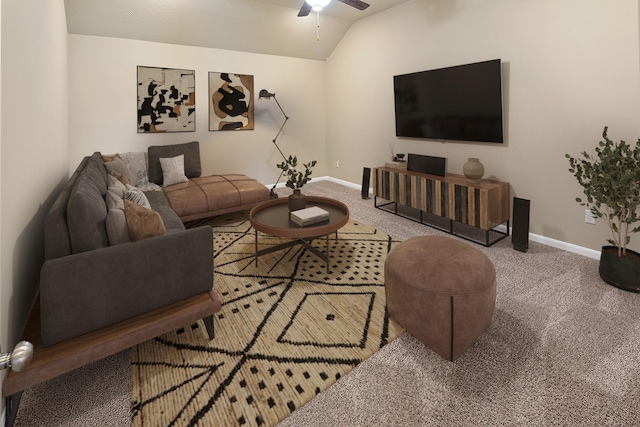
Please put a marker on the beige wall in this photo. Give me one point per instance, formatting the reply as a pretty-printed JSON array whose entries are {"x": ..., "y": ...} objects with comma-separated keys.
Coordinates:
[
  {"x": 569, "y": 68},
  {"x": 34, "y": 148},
  {"x": 103, "y": 104}
]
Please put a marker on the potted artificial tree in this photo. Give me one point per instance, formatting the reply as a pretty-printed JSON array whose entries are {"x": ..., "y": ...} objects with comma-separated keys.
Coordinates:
[
  {"x": 611, "y": 183},
  {"x": 295, "y": 180}
]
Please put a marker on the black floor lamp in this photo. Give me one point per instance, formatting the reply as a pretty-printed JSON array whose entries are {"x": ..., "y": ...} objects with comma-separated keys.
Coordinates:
[{"x": 264, "y": 94}]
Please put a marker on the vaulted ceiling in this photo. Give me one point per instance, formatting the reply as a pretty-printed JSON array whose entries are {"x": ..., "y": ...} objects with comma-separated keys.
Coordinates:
[{"x": 259, "y": 26}]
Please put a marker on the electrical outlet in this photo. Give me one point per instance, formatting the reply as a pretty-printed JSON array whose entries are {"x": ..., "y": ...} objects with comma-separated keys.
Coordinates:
[
  {"x": 588, "y": 217},
  {"x": 337, "y": 163}
]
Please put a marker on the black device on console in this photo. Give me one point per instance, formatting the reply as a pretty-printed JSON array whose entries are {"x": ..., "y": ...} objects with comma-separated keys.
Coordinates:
[{"x": 427, "y": 164}]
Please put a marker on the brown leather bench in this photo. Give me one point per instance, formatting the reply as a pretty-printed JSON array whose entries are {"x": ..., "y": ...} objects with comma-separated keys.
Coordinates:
[{"x": 207, "y": 196}]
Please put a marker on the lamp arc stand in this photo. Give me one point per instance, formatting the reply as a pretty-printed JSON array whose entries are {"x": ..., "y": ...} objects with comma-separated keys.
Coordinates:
[{"x": 264, "y": 94}]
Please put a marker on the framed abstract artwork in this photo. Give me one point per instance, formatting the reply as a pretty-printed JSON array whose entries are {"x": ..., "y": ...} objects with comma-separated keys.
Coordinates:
[
  {"x": 166, "y": 100},
  {"x": 230, "y": 101}
]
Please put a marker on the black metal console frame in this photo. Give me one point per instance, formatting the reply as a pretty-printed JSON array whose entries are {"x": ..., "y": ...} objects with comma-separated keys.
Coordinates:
[{"x": 487, "y": 242}]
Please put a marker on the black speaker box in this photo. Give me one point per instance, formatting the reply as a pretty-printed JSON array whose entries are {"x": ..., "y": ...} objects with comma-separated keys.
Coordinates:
[
  {"x": 520, "y": 232},
  {"x": 427, "y": 164},
  {"x": 366, "y": 175}
]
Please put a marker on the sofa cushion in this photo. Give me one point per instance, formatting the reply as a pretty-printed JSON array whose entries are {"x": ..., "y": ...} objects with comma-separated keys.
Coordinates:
[
  {"x": 191, "y": 151},
  {"x": 173, "y": 170},
  {"x": 96, "y": 173},
  {"x": 142, "y": 222},
  {"x": 87, "y": 210},
  {"x": 160, "y": 204},
  {"x": 57, "y": 242}
]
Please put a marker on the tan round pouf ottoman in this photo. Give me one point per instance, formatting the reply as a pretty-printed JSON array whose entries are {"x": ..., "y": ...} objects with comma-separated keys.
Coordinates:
[{"x": 440, "y": 290}]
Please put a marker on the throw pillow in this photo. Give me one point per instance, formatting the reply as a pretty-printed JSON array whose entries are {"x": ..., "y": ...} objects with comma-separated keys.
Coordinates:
[
  {"x": 118, "y": 191},
  {"x": 110, "y": 157},
  {"x": 143, "y": 223},
  {"x": 191, "y": 151},
  {"x": 113, "y": 200},
  {"x": 137, "y": 162},
  {"x": 115, "y": 182},
  {"x": 117, "y": 228},
  {"x": 134, "y": 195},
  {"x": 118, "y": 165},
  {"x": 173, "y": 170},
  {"x": 119, "y": 177}
]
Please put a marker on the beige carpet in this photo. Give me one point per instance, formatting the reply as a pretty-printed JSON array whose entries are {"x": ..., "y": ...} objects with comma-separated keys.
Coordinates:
[
  {"x": 563, "y": 349},
  {"x": 286, "y": 332}
]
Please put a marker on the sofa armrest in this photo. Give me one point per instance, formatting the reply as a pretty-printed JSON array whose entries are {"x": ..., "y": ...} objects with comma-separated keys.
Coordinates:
[{"x": 84, "y": 292}]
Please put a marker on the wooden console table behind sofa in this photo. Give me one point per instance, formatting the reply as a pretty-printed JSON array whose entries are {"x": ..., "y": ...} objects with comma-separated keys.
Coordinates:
[{"x": 483, "y": 205}]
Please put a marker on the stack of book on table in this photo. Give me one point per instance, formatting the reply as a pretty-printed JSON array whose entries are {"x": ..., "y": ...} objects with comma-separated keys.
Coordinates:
[{"x": 309, "y": 216}]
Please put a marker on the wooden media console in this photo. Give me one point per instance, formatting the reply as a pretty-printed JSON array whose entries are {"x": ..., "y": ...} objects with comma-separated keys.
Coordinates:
[{"x": 472, "y": 211}]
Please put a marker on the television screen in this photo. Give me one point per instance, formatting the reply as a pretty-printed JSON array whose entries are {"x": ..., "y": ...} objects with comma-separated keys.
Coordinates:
[{"x": 462, "y": 103}]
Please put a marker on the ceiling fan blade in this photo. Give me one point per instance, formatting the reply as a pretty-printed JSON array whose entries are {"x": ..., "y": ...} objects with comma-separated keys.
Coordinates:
[
  {"x": 305, "y": 9},
  {"x": 358, "y": 4}
]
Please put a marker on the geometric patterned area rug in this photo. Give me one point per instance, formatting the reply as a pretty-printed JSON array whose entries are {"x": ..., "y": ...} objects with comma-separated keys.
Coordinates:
[{"x": 287, "y": 331}]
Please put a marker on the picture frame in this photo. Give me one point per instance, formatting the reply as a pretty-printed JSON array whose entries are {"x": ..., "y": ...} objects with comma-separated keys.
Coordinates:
[
  {"x": 166, "y": 100},
  {"x": 231, "y": 101}
]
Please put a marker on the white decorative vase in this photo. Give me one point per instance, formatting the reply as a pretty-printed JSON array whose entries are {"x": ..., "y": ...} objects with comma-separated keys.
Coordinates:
[{"x": 473, "y": 170}]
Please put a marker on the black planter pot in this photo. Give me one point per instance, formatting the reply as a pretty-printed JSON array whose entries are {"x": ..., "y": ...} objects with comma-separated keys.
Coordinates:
[{"x": 621, "y": 272}]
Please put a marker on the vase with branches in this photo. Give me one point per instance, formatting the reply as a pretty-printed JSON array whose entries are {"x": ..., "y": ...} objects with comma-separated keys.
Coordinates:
[{"x": 296, "y": 179}]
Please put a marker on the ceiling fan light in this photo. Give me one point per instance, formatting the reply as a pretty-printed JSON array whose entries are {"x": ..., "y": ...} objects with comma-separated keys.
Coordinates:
[{"x": 317, "y": 5}]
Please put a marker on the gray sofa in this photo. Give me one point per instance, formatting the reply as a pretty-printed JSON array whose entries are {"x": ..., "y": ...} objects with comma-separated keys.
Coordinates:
[{"x": 87, "y": 284}]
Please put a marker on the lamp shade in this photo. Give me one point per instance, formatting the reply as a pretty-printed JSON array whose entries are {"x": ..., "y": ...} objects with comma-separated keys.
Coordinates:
[{"x": 264, "y": 94}]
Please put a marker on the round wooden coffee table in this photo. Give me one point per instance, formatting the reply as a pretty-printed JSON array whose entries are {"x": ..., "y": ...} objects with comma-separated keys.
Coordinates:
[{"x": 272, "y": 218}]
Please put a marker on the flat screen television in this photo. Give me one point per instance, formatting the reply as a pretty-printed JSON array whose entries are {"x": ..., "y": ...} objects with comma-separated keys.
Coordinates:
[{"x": 461, "y": 103}]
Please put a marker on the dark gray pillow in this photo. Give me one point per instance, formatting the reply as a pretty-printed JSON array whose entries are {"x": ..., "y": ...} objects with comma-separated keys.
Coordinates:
[
  {"x": 86, "y": 216},
  {"x": 57, "y": 242},
  {"x": 191, "y": 151},
  {"x": 96, "y": 173}
]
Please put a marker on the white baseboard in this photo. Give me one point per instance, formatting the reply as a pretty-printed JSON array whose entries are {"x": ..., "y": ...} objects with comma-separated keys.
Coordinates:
[
  {"x": 589, "y": 253},
  {"x": 345, "y": 183},
  {"x": 326, "y": 178},
  {"x": 559, "y": 244}
]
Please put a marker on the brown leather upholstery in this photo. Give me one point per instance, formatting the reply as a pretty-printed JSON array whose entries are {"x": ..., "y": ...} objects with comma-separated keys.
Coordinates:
[
  {"x": 440, "y": 290},
  {"x": 207, "y": 196}
]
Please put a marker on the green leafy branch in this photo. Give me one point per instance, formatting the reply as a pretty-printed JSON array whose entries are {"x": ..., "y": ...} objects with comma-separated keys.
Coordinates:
[{"x": 295, "y": 178}]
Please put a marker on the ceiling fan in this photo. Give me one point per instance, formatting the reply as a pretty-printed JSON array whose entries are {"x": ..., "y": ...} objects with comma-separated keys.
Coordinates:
[{"x": 317, "y": 5}]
